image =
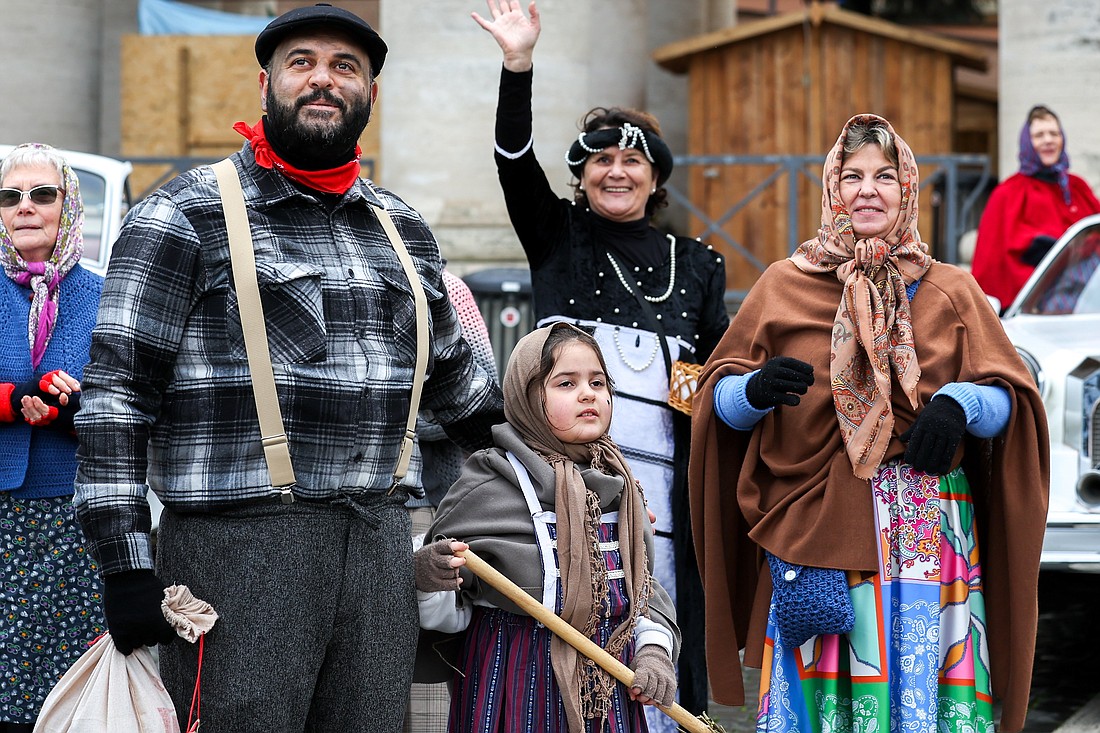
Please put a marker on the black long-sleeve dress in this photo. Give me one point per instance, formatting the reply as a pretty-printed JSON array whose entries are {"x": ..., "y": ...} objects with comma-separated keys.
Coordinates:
[{"x": 581, "y": 268}]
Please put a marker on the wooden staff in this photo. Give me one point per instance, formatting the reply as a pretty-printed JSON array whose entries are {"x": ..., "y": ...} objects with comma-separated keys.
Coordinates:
[{"x": 576, "y": 639}]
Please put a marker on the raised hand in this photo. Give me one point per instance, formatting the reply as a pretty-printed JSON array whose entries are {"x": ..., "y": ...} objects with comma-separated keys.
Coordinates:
[{"x": 515, "y": 33}]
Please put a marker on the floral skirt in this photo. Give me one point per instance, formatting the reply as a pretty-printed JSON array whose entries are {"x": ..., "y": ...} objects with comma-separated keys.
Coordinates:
[
  {"x": 51, "y": 601},
  {"x": 917, "y": 659}
]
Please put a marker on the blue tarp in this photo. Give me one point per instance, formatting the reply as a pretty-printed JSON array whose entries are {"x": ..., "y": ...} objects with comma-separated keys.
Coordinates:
[{"x": 164, "y": 17}]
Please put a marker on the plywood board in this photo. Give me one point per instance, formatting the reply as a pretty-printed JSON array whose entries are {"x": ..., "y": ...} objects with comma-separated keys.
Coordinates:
[{"x": 181, "y": 96}]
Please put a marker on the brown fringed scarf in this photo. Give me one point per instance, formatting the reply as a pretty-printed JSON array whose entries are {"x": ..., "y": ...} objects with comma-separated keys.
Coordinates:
[
  {"x": 585, "y": 688},
  {"x": 873, "y": 330}
]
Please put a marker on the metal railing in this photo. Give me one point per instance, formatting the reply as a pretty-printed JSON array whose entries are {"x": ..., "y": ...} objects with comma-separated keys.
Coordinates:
[{"x": 956, "y": 198}]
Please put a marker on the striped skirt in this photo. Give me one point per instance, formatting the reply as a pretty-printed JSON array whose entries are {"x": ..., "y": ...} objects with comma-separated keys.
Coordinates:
[
  {"x": 505, "y": 682},
  {"x": 917, "y": 659}
]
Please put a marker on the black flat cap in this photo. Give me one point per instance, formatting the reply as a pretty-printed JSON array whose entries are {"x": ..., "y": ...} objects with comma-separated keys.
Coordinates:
[{"x": 321, "y": 15}]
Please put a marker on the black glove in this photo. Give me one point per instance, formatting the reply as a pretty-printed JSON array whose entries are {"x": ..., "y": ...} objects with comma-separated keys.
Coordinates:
[
  {"x": 779, "y": 382},
  {"x": 432, "y": 567},
  {"x": 654, "y": 675},
  {"x": 935, "y": 435},
  {"x": 1038, "y": 249},
  {"x": 131, "y": 603}
]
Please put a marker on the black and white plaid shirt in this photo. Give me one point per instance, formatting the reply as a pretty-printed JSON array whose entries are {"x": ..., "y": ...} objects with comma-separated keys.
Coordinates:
[{"x": 167, "y": 399}]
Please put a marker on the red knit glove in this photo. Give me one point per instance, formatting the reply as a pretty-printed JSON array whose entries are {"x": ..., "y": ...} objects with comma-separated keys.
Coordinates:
[
  {"x": 51, "y": 415},
  {"x": 7, "y": 414},
  {"x": 46, "y": 381},
  {"x": 11, "y": 407}
]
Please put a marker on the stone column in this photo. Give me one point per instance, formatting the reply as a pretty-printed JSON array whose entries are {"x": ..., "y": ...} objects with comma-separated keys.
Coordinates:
[
  {"x": 438, "y": 96},
  {"x": 51, "y": 92}
]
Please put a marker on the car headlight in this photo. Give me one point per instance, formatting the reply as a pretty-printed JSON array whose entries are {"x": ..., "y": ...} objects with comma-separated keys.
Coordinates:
[{"x": 1036, "y": 371}]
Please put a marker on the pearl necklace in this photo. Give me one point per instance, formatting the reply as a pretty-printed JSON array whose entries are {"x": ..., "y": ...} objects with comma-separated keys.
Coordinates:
[
  {"x": 643, "y": 367},
  {"x": 671, "y": 274}
]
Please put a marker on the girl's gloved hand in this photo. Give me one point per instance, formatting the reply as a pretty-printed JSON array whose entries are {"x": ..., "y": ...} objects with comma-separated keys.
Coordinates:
[
  {"x": 435, "y": 566},
  {"x": 654, "y": 676}
]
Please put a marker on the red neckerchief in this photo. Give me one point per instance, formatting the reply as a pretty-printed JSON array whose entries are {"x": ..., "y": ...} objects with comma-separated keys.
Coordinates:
[{"x": 332, "y": 180}]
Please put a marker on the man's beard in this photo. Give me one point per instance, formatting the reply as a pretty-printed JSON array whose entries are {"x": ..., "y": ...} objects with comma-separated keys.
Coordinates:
[{"x": 314, "y": 136}]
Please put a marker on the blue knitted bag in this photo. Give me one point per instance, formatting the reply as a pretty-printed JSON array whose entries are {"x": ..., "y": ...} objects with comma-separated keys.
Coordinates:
[{"x": 809, "y": 601}]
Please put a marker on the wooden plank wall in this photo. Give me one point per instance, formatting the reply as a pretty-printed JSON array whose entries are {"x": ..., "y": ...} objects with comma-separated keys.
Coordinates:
[
  {"x": 181, "y": 96},
  {"x": 790, "y": 92}
]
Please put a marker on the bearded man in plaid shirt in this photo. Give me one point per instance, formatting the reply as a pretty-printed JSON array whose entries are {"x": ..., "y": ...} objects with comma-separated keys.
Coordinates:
[{"x": 318, "y": 611}]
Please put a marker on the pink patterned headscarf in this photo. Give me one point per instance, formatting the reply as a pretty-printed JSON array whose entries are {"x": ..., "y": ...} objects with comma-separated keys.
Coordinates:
[
  {"x": 873, "y": 329},
  {"x": 44, "y": 278}
]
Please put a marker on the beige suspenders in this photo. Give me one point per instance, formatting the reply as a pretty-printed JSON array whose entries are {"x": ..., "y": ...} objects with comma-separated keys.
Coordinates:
[{"x": 276, "y": 447}]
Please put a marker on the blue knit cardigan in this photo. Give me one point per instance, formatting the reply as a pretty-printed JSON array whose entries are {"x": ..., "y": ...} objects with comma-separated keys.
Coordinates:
[{"x": 39, "y": 462}]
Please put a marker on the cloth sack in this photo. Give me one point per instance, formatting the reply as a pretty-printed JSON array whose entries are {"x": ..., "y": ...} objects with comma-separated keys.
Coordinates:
[
  {"x": 106, "y": 691},
  {"x": 809, "y": 601}
]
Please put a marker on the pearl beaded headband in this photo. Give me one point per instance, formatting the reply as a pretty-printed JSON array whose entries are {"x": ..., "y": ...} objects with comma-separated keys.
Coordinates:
[{"x": 627, "y": 136}]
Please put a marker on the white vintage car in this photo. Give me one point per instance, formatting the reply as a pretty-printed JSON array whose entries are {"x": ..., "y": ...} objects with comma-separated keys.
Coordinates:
[{"x": 1055, "y": 324}]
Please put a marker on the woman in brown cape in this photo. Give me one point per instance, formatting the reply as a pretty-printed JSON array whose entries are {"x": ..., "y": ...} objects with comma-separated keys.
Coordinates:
[{"x": 866, "y": 413}]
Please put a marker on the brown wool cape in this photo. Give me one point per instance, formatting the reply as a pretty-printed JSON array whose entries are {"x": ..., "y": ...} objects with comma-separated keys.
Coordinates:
[{"x": 788, "y": 485}]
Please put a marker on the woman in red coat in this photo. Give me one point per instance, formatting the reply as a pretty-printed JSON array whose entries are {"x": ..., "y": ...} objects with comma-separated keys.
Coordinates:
[{"x": 1030, "y": 210}]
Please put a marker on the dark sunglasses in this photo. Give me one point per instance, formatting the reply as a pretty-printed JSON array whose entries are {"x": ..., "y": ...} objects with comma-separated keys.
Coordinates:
[{"x": 41, "y": 195}]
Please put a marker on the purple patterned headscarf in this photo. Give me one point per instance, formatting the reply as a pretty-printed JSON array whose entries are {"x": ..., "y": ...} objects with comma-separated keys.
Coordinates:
[
  {"x": 44, "y": 278},
  {"x": 1030, "y": 163}
]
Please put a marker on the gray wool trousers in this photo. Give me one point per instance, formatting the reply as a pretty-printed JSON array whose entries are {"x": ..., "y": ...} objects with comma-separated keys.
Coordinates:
[{"x": 317, "y": 614}]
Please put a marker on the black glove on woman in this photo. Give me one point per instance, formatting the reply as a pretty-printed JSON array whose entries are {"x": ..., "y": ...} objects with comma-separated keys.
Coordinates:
[
  {"x": 935, "y": 435},
  {"x": 779, "y": 382},
  {"x": 131, "y": 602},
  {"x": 1037, "y": 250}
]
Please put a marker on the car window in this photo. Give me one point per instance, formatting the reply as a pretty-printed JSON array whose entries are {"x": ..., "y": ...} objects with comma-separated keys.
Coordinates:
[
  {"x": 1070, "y": 284},
  {"x": 93, "y": 190}
]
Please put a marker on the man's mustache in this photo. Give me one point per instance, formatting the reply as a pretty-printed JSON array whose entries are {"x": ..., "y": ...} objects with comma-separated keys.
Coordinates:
[{"x": 321, "y": 95}]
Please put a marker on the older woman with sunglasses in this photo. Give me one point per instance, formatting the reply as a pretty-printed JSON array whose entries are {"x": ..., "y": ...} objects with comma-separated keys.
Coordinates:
[{"x": 50, "y": 598}]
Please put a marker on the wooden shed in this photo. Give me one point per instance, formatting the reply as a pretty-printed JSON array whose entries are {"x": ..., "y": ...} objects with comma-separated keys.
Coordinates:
[{"x": 784, "y": 86}]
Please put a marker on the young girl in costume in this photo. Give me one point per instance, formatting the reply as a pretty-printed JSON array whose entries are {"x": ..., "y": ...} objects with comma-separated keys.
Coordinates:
[{"x": 555, "y": 508}]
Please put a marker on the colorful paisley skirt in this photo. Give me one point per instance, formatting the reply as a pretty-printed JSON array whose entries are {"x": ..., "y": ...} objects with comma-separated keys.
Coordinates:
[{"x": 917, "y": 659}]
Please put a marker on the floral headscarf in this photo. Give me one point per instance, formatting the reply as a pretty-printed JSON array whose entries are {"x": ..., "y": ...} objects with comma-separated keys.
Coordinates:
[
  {"x": 586, "y": 689},
  {"x": 1031, "y": 164},
  {"x": 873, "y": 329},
  {"x": 44, "y": 278}
]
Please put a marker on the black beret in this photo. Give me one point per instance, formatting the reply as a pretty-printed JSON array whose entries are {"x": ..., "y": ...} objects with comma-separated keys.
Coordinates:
[{"x": 319, "y": 16}]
